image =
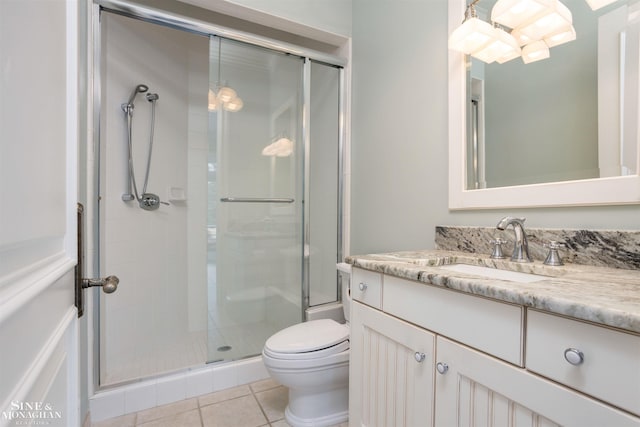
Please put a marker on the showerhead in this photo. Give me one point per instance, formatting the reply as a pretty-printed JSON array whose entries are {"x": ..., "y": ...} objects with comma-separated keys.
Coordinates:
[
  {"x": 151, "y": 97},
  {"x": 138, "y": 89}
]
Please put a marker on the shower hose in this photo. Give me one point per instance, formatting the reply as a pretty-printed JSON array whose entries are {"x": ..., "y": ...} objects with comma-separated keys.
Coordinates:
[{"x": 147, "y": 201}]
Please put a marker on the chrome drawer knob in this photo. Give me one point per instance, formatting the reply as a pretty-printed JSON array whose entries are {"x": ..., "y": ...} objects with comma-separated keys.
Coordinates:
[
  {"x": 419, "y": 356},
  {"x": 574, "y": 356},
  {"x": 442, "y": 367},
  {"x": 362, "y": 286}
]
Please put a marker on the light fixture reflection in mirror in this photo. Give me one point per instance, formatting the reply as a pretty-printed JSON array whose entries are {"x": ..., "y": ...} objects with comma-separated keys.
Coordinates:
[
  {"x": 528, "y": 23},
  {"x": 564, "y": 117}
]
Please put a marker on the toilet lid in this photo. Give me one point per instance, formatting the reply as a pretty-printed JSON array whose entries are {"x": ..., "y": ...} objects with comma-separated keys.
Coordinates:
[{"x": 308, "y": 336}]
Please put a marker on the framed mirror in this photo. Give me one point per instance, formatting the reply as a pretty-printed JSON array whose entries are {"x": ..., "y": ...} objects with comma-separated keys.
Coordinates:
[{"x": 558, "y": 132}]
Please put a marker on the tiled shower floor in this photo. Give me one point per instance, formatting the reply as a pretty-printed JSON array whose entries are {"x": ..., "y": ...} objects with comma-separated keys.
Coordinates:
[{"x": 259, "y": 404}]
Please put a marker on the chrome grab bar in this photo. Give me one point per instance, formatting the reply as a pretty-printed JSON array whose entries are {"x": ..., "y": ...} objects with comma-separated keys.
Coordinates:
[{"x": 255, "y": 200}]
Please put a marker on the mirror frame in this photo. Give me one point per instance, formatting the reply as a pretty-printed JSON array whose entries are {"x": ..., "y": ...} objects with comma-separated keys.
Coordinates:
[{"x": 589, "y": 192}]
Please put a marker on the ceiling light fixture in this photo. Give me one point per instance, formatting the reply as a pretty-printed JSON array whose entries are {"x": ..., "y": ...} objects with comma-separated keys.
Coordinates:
[
  {"x": 535, "y": 51},
  {"x": 555, "y": 19},
  {"x": 517, "y": 13},
  {"x": 562, "y": 36},
  {"x": 482, "y": 40},
  {"x": 473, "y": 35},
  {"x": 502, "y": 48},
  {"x": 532, "y": 27}
]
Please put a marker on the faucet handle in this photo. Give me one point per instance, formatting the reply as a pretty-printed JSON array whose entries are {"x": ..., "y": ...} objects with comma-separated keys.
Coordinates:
[
  {"x": 496, "y": 252},
  {"x": 553, "y": 244},
  {"x": 553, "y": 257}
]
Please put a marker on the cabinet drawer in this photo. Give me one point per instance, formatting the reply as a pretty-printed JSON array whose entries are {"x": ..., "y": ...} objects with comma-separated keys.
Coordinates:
[
  {"x": 366, "y": 287},
  {"x": 490, "y": 326},
  {"x": 609, "y": 368}
]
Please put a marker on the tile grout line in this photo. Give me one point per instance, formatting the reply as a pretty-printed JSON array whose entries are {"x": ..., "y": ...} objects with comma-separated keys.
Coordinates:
[
  {"x": 259, "y": 405},
  {"x": 200, "y": 412}
]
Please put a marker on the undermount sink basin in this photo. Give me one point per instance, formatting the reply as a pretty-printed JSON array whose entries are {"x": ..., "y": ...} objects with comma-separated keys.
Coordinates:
[{"x": 494, "y": 273}]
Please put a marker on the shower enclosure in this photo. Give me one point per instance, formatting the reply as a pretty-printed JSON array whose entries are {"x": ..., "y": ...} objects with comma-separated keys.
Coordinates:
[{"x": 245, "y": 168}]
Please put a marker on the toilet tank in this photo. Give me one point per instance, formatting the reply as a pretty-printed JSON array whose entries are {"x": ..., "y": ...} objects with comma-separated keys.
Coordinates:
[{"x": 345, "y": 280}]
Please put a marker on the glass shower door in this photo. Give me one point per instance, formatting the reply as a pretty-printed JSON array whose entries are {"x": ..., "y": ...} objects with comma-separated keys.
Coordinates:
[
  {"x": 255, "y": 208},
  {"x": 157, "y": 321}
]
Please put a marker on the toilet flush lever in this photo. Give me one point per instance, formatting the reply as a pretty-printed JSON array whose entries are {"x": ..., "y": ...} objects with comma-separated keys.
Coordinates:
[{"x": 362, "y": 286}]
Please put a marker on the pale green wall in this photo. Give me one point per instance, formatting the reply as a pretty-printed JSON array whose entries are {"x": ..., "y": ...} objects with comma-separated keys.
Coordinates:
[
  {"x": 399, "y": 123},
  {"x": 333, "y": 16},
  {"x": 399, "y": 135}
]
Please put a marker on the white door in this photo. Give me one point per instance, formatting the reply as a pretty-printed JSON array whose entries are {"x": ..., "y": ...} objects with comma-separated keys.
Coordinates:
[{"x": 38, "y": 193}]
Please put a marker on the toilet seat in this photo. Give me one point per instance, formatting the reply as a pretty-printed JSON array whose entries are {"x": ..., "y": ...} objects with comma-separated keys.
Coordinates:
[
  {"x": 309, "y": 340},
  {"x": 309, "y": 355}
]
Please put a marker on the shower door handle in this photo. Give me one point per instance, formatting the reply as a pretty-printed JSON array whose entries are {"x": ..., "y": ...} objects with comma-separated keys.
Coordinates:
[{"x": 109, "y": 284}]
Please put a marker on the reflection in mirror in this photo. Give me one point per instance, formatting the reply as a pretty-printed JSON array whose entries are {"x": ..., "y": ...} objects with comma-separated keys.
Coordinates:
[
  {"x": 605, "y": 190},
  {"x": 573, "y": 116}
]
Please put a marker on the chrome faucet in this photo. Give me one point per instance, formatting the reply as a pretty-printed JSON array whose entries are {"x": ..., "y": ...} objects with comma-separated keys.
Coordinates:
[{"x": 521, "y": 246}]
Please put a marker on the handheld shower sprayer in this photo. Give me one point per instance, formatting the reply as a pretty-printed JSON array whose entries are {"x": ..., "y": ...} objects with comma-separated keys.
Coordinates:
[
  {"x": 147, "y": 201},
  {"x": 127, "y": 107}
]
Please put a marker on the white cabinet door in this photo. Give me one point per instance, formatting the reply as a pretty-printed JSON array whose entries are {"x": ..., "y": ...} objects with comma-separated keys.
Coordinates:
[
  {"x": 473, "y": 391},
  {"x": 391, "y": 371},
  {"x": 38, "y": 181}
]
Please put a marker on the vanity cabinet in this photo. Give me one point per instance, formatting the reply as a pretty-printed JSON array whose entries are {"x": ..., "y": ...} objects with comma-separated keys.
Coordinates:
[
  {"x": 475, "y": 371},
  {"x": 477, "y": 389}
]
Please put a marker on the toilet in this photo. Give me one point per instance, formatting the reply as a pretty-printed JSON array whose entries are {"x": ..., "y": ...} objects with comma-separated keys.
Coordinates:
[{"x": 312, "y": 360}]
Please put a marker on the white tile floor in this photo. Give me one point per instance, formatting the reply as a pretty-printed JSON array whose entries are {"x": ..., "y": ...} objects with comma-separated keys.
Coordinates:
[{"x": 258, "y": 404}]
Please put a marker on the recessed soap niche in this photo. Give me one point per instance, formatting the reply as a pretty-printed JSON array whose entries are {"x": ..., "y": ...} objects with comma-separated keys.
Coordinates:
[{"x": 176, "y": 194}]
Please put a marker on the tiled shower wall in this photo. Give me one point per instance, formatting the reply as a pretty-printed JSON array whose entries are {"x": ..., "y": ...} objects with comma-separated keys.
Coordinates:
[{"x": 161, "y": 300}]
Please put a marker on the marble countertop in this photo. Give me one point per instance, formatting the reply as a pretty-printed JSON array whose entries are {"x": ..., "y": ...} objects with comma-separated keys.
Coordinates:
[{"x": 601, "y": 295}]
